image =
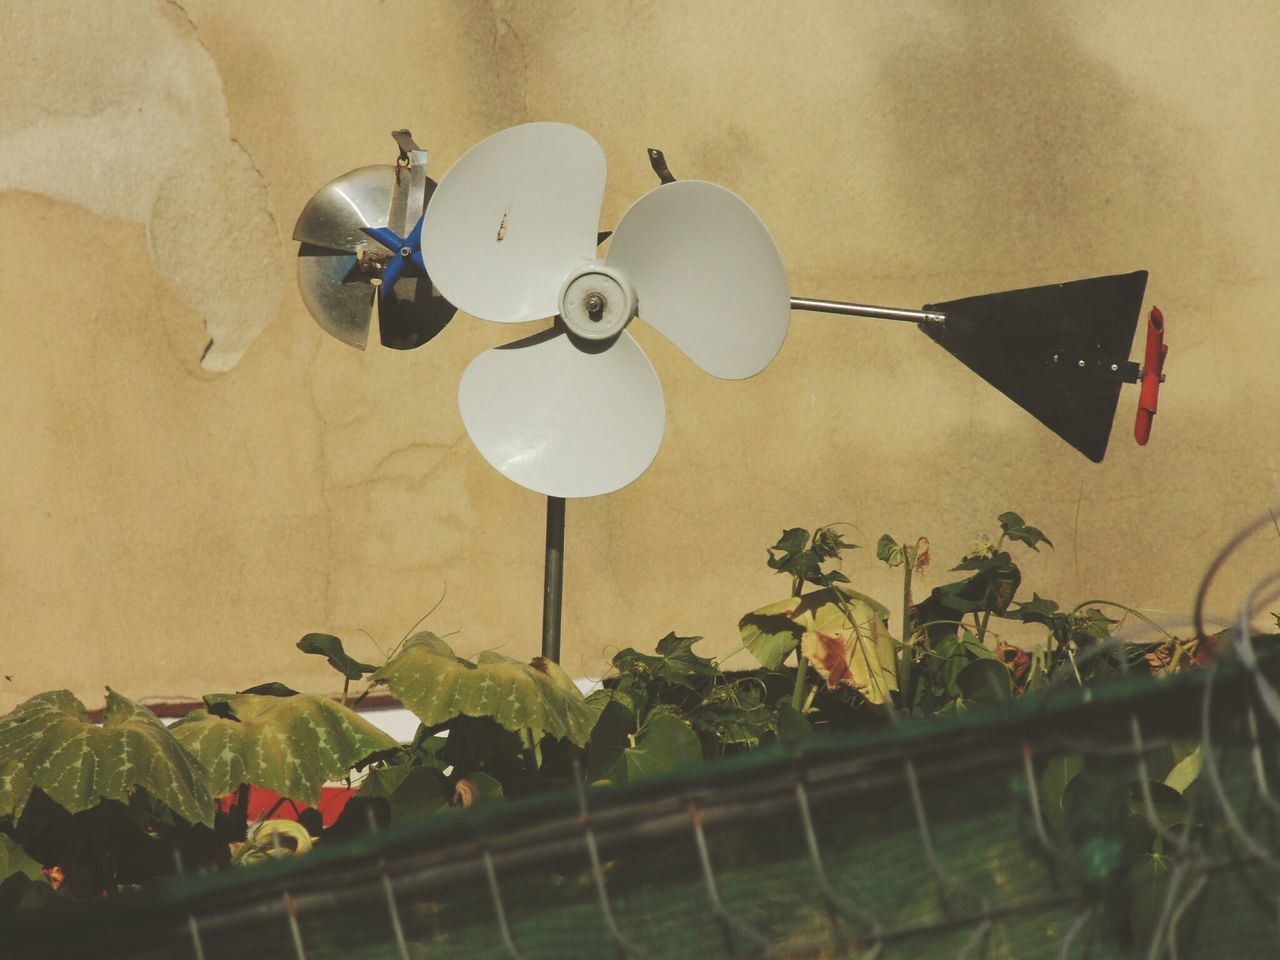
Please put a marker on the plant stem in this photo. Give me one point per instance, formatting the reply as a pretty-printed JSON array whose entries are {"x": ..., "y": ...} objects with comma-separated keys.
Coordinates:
[
  {"x": 986, "y": 614},
  {"x": 529, "y": 750},
  {"x": 907, "y": 661},
  {"x": 982, "y": 627},
  {"x": 242, "y": 811},
  {"x": 797, "y": 695}
]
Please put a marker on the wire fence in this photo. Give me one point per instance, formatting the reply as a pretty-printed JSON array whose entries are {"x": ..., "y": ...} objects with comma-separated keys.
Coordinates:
[{"x": 1135, "y": 818}]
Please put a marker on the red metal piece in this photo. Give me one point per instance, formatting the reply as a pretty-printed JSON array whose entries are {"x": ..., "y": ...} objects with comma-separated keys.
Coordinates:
[{"x": 1152, "y": 376}]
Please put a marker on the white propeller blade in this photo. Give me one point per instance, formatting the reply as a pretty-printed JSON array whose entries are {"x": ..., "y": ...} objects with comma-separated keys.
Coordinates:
[
  {"x": 563, "y": 417},
  {"x": 512, "y": 217},
  {"x": 707, "y": 275}
]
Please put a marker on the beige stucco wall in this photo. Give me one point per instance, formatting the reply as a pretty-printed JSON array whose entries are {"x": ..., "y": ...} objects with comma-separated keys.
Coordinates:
[{"x": 194, "y": 475}]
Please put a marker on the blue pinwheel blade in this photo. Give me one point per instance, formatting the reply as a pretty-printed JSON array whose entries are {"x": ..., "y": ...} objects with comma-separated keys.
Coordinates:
[
  {"x": 414, "y": 240},
  {"x": 392, "y": 274}
]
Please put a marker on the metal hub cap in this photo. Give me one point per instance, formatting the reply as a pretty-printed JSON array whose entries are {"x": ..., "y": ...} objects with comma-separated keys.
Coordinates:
[{"x": 596, "y": 302}]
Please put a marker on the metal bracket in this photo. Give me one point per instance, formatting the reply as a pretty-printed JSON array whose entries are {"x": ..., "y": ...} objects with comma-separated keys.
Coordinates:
[
  {"x": 1123, "y": 371},
  {"x": 659, "y": 164}
]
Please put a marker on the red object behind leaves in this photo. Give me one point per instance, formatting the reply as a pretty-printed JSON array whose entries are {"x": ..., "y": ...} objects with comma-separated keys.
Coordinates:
[
  {"x": 1152, "y": 375},
  {"x": 263, "y": 802}
]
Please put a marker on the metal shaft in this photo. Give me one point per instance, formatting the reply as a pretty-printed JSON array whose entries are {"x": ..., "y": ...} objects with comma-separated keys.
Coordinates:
[
  {"x": 864, "y": 310},
  {"x": 553, "y": 579}
]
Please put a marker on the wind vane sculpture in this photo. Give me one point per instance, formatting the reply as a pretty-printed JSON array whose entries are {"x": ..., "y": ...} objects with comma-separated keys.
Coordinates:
[{"x": 510, "y": 235}]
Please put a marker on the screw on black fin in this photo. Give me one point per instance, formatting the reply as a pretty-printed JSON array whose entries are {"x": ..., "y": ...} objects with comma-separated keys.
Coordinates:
[
  {"x": 659, "y": 164},
  {"x": 1061, "y": 352}
]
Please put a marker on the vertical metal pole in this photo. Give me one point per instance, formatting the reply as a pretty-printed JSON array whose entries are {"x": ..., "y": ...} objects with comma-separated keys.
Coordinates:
[{"x": 553, "y": 579}]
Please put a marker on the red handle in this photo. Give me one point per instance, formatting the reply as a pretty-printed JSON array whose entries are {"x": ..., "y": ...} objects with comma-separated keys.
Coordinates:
[{"x": 1152, "y": 376}]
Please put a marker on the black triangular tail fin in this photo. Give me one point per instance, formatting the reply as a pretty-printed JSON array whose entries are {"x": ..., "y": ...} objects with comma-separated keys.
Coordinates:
[{"x": 1061, "y": 352}]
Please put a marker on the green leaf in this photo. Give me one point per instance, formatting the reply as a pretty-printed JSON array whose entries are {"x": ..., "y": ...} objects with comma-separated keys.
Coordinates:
[
  {"x": 1059, "y": 772},
  {"x": 48, "y": 742},
  {"x": 412, "y": 792},
  {"x": 14, "y": 860},
  {"x": 644, "y": 677},
  {"x": 842, "y": 634},
  {"x": 1091, "y": 624},
  {"x": 890, "y": 551},
  {"x": 971, "y": 645},
  {"x": 792, "y": 724},
  {"x": 788, "y": 555},
  {"x": 681, "y": 661},
  {"x": 1015, "y": 529},
  {"x": 609, "y": 739},
  {"x": 734, "y": 713},
  {"x": 20, "y": 875},
  {"x": 1185, "y": 771},
  {"x": 801, "y": 557},
  {"x": 828, "y": 578},
  {"x": 992, "y": 587},
  {"x": 382, "y": 780},
  {"x": 330, "y": 647},
  {"x": 437, "y": 686},
  {"x": 1038, "y": 610},
  {"x": 771, "y": 633},
  {"x": 291, "y": 745},
  {"x": 665, "y": 743},
  {"x": 828, "y": 544},
  {"x": 985, "y": 681},
  {"x": 272, "y": 689}
]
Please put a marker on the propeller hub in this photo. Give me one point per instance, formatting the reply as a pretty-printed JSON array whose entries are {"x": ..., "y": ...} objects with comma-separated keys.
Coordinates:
[{"x": 596, "y": 302}]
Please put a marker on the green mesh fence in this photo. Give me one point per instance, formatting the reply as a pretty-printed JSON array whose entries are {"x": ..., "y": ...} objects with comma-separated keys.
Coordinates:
[{"x": 928, "y": 840}]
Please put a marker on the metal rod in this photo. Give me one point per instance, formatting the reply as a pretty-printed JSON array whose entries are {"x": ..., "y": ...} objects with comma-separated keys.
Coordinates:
[
  {"x": 491, "y": 873},
  {"x": 863, "y": 310},
  {"x": 553, "y": 579}
]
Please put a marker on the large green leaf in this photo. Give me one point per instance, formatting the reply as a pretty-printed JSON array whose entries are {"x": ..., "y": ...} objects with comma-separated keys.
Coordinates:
[
  {"x": 15, "y": 783},
  {"x": 291, "y": 745},
  {"x": 985, "y": 681},
  {"x": 410, "y": 791},
  {"x": 666, "y": 742},
  {"x": 437, "y": 686},
  {"x": 771, "y": 632},
  {"x": 847, "y": 642},
  {"x": 48, "y": 742},
  {"x": 842, "y": 634}
]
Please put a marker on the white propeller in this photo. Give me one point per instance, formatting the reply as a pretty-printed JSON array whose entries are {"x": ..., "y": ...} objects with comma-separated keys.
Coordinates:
[{"x": 510, "y": 236}]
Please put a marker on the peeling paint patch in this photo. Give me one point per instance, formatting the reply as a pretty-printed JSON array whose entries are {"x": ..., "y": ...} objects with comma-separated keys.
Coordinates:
[{"x": 146, "y": 138}]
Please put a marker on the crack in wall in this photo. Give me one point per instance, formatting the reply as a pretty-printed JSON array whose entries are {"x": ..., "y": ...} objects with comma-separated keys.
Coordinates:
[{"x": 508, "y": 47}]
